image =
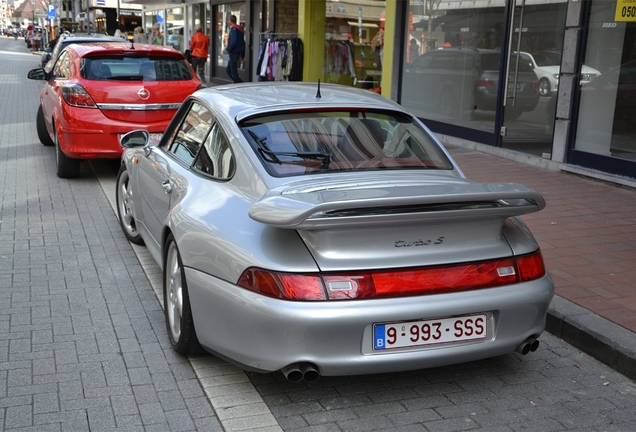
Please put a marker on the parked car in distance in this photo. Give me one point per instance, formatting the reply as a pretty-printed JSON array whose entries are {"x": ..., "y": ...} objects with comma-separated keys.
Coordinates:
[
  {"x": 97, "y": 92},
  {"x": 454, "y": 81},
  {"x": 326, "y": 231},
  {"x": 73, "y": 38},
  {"x": 547, "y": 67}
]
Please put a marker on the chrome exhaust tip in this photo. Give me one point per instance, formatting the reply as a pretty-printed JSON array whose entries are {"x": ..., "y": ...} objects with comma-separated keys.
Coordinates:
[{"x": 296, "y": 372}]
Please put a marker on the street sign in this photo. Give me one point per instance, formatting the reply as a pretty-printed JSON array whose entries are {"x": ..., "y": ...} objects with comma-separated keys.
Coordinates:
[
  {"x": 51, "y": 12},
  {"x": 625, "y": 11}
]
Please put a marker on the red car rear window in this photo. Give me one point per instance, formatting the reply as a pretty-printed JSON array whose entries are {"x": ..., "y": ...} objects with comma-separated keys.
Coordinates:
[{"x": 135, "y": 69}]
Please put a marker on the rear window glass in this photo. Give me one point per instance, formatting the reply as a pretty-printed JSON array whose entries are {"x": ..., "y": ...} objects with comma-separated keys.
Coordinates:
[
  {"x": 329, "y": 141},
  {"x": 135, "y": 69}
]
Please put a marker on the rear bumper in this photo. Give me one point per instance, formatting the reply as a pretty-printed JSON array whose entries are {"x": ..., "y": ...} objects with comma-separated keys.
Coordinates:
[
  {"x": 265, "y": 334},
  {"x": 88, "y": 134}
]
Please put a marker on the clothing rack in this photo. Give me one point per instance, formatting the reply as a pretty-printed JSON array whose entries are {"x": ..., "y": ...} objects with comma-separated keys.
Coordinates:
[
  {"x": 280, "y": 57},
  {"x": 277, "y": 35}
]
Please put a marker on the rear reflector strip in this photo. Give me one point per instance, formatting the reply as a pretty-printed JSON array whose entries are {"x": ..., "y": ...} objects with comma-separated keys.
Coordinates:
[{"x": 394, "y": 283}]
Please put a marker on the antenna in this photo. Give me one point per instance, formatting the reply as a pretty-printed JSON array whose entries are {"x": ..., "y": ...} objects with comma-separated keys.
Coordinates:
[{"x": 318, "y": 93}]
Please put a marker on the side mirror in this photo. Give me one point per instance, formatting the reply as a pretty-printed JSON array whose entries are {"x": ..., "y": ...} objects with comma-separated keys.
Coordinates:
[
  {"x": 134, "y": 139},
  {"x": 37, "y": 74}
]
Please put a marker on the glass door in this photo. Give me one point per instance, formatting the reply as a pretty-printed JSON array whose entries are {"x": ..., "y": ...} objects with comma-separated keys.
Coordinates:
[
  {"x": 532, "y": 66},
  {"x": 220, "y": 57}
]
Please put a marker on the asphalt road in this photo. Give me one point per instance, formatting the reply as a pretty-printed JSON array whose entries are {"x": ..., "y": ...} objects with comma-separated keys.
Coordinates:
[{"x": 83, "y": 346}]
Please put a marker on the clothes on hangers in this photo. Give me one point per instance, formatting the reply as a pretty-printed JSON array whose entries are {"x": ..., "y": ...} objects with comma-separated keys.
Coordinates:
[{"x": 280, "y": 59}]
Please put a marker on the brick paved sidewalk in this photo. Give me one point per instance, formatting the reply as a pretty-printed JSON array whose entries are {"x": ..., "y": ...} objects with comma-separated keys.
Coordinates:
[
  {"x": 587, "y": 233},
  {"x": 83, "y": 344}
]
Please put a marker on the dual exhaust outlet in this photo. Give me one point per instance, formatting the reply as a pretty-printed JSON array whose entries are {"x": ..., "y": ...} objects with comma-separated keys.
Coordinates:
[
  {"x": 296, "y": 372},
  {"x": 529, "y": 345},
  {"x": 309, "y": 372}
]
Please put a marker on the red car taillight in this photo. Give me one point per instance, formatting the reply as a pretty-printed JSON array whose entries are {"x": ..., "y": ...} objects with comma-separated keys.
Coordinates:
[
  {"x": 394, "y": 283},
  {"x": 484, "y": 82},
  {"x": 76, "y": 96}
]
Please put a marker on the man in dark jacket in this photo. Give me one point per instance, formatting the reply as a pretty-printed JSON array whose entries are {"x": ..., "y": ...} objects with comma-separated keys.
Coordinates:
[{"x": 235, "y": 48}]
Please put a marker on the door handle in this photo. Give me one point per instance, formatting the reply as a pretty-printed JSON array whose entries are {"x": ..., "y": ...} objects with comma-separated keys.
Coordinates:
[{"x": 167, "y": 187}]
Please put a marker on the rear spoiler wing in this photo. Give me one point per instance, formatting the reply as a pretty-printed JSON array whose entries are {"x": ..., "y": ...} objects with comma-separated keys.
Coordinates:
[{"x": 340, "y": 207}]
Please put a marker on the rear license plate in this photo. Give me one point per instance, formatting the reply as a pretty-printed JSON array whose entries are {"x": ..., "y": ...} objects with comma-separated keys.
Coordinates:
[
  {"x": 428, "y": 332},
  {"x": 520, "y": 86},
  {"x": 153, "y": 138}
]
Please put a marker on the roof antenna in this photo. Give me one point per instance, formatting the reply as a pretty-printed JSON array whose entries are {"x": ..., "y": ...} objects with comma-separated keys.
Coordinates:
[{"x": 318, "y": 93}]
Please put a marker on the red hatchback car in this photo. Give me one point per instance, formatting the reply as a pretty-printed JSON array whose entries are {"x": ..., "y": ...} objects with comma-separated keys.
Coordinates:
[{"x": 97, "y": 92}]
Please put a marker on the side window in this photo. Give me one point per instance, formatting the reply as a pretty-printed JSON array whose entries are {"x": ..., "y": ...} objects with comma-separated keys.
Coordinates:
[
  {"x": 63, "y": 66},
  {"x": 216, "y": 158},
  {"x": 191, "y": 133}
]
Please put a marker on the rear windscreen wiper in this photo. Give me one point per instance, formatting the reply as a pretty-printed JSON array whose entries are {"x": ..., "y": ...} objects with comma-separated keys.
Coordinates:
[
  {"x": 126, "y": 78},
  {"x": 272, "y": 156}
]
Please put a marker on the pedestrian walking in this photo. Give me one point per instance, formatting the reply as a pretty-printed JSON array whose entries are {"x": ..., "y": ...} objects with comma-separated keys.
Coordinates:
[
  {"x": 121, "y": 32},
  {"x": 139, "y": 36},
  {"x": 235, "y": 48},
  {"x": 199, "y": 44}
]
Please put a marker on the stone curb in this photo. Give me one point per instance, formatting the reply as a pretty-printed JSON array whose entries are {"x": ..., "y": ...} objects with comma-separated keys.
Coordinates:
[{"x": 594, "y": 335}]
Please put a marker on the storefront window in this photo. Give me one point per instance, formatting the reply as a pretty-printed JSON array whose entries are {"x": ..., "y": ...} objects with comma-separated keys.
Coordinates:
[
  {"x": 354, "y": 43},
  {"x": 174, "y": 29},
  {"x": 606, "y": 123},
  {"x": 223, "y": 29},
  {"x": 453, "y": 59}
]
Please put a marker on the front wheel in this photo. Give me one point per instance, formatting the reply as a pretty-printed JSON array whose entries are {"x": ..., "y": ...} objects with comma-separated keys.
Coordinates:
[
  {"x": 545, "y": 87},
  {"x": 176, "y": 303},
  {"x": 66, "y": 167},
  {"x": 124, "y": 200}
]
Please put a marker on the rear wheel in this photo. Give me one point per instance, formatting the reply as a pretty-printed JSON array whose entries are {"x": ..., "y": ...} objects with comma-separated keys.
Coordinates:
[
  {"x": 40, "y": 125},
  {"x": 448, "y": 104},
  {"x": 176, "y": 303},
  {"x": 512, "y": 113},
  {"x": 66, "y": 167},
  {"x": 124, "y": 200}
]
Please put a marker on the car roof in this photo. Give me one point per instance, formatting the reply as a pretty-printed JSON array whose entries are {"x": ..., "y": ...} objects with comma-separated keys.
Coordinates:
[
  {"x": 85, "y": 37},
  {"x": 248, "y": 99}
]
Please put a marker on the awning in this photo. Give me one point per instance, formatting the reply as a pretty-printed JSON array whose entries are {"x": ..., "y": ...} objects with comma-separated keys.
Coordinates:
[{"x": 364, "y": 25}]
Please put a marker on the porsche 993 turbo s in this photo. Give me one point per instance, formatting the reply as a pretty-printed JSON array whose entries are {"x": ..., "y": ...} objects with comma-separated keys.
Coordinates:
[{"x": 326, "y": 231}]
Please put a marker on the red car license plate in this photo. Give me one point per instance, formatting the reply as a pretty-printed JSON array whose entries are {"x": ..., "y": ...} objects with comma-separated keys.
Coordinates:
[{"x": 427, "y": 332}]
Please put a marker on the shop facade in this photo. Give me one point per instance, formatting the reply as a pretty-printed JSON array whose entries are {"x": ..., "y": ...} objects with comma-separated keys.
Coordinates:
[{"x": 545, "y": 79}]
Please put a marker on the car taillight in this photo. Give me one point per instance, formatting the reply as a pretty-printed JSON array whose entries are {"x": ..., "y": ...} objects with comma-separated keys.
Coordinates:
[
  {"x": 76, "y": 96},
  {"x": 287, "y": 286},
  {"x": 394, "y": 283},
  {"x": 484, "y": 82},
  {"x": 534, "y": 84}
]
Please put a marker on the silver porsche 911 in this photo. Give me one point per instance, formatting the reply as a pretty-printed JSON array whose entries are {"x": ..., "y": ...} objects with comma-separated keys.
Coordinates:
[{"x": 326, "y": 231}]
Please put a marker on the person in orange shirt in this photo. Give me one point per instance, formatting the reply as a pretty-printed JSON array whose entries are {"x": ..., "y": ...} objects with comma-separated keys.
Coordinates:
[{"x": 199, "y": 44}]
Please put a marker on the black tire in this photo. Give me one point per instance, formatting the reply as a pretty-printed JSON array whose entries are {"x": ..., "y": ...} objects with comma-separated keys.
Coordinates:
[
  {"x": 512, "y": 113},
  {"x": 176, "y": 303},
  {"x": 66, "y": 167},
  {"x": 124, "y": 200},
  {"x": 448, "y": 104},
  {"x": 545, "y": 89},
  {"x": 43, "y": 135}
]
